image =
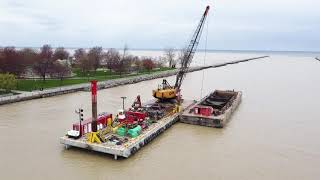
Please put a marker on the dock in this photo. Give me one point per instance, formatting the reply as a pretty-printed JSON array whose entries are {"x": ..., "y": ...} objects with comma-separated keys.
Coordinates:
[{"x": 132, "y": 145}]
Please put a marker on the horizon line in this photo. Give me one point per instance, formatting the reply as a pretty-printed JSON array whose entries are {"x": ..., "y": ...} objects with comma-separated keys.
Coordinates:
[{"x": 162, "y": 49}]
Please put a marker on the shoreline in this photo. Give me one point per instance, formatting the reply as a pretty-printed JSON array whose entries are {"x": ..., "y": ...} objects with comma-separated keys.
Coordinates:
[{"x": 109, "y": 83}]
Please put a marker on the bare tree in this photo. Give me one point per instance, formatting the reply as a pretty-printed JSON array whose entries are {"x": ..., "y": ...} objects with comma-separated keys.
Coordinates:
[
  {"x": 60, "y": 70},
  {"x": 44, "y": 62},
  {"x": 121, "y": 67},
  {"x": 29, "y": 56},
  {"x": 170, "y": 55},
  {"x": 84, "y": 63},
  {"x": 11, "y": 61},
  {"x": 113, "y": 59},
  {"x": 2, "y": 60},
  {"x": 78, "y": 53},
  {"x": 182, "y": 57},
  {"x": 60, "y": 53},
  {"x": 160, "y": 62},
  {"x": 148, "y": 64},
  {"x": 95, "y": 56}
]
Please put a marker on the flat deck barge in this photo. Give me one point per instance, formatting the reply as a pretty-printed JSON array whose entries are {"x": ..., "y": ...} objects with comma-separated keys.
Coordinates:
[
  {"x": 129, "y": 145},
  {"x": 214, "y": 110}
]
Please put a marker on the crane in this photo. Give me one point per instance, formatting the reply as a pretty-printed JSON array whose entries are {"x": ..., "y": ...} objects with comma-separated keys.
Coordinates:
[{"x": 166, "y": 91}]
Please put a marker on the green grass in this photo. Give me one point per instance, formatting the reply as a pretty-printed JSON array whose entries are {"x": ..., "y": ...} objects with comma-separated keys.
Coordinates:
[
  {"x": 101, "y": 75},
  {"x": 78, "y": 73},
  {"x": 4, "y": 92},
  {"x": 29, "y": 85}
]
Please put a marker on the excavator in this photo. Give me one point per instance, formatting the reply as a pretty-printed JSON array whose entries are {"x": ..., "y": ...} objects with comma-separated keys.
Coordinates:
[{"x": 167, "y": 92}]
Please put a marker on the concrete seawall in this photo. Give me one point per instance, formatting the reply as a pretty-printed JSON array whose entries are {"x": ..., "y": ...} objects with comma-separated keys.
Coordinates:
[{"x": 107, "y": 84}]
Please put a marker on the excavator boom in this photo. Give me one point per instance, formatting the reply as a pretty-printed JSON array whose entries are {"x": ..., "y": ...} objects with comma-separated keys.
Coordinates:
[
  {"x": 167, "y": 92},
  {"x": 190, "y": 50}
]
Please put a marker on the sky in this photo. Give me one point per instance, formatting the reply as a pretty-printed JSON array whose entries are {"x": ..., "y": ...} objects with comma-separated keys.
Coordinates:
[{"x": 278, "y": 25}]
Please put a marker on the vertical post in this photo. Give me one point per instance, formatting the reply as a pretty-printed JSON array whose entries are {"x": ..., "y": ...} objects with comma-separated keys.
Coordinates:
[
  {"x": 123, "y": 98},
  {"x": 80, "y": 129},
  {"x": 94, "y": 105}
]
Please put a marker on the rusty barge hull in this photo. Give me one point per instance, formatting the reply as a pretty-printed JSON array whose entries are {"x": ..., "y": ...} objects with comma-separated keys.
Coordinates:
[{"x": 216, "y": 120}]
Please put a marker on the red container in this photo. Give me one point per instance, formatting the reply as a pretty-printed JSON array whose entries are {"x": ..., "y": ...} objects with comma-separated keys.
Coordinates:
[
  {"x": 138, "y": 115},
  {"x": 86, "y": 124},
  {"x": 203, "y": 110}
]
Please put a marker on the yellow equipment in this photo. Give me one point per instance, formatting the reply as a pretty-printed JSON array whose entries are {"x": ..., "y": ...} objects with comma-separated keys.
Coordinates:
[
  {"x": 165, "y": 91},
  {"x": 93, "y": 137}
]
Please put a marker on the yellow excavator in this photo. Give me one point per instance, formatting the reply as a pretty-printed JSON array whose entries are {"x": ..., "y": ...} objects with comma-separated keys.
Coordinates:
[{"x": 167, "y": 92}]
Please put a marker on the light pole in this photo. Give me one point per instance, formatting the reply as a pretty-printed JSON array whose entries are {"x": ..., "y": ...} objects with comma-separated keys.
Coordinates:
[{"x": 123, "y": 98}]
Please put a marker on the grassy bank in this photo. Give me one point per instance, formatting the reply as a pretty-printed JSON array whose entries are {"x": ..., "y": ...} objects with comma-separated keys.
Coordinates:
[{"x": 101, "y": 75}]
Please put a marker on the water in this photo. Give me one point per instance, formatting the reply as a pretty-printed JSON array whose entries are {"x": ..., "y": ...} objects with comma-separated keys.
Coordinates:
[{"x": 274, "y": 134}]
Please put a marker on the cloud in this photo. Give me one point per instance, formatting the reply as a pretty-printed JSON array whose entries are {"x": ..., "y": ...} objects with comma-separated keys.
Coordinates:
[{"x": 242, "y": 24}]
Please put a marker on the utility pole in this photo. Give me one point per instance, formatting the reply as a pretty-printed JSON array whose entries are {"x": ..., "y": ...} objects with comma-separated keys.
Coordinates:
[
  {"x": 94, "y": 105},
  {"x": 80, "y": 113},
  {"x": 123, "y": 98}
]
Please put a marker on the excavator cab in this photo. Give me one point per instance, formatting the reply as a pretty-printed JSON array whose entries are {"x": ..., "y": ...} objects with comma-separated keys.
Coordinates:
[{"x": 165, "y": 91}]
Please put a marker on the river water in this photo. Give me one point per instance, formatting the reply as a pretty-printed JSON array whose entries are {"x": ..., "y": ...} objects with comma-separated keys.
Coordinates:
[{"x": 274, "y": 134}]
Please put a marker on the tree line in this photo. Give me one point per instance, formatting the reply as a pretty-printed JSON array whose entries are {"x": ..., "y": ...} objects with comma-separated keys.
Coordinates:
[
  {"x": 58, "y": 63},
  {"x": 114, "y": 60},
  {"x": 42, "y": 63}
]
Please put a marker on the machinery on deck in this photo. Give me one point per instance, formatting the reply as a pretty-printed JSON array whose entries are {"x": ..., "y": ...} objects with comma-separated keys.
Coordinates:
[
  {"x": 139, "y": 117},
  {"x": 168, "y": 92}
]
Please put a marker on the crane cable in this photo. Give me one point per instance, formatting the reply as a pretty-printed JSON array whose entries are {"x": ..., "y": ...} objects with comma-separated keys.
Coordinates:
[{"x": 205, "y": 56}]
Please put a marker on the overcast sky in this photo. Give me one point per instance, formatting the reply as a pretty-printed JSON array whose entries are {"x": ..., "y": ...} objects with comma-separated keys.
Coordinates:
[{"x": 233, "y": 24}]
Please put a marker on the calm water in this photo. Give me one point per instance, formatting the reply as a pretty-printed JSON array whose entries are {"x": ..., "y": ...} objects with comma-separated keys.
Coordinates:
[{"x": 274, "y": 134}]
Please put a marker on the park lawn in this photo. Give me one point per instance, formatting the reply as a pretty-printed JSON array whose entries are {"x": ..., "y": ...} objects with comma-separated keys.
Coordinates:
[
  {"x": 30, "y": 84},
  {"x": 78, "y": 73},
  {"x": 107, "y": 72}
]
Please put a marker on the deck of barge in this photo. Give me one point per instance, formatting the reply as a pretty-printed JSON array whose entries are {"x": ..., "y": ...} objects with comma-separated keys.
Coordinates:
[
  {"x": 218, "y": 121},
  {"x": 133, "y": 144}
]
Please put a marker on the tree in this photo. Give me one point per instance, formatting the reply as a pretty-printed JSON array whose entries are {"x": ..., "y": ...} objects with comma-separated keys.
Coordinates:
[
  {"x": 7, "y": 82},
  {"x": 138, "y": 63},
  {"x": 60, "y": 53},
  {"x": 148, "y": 64},
  {"x": 44, "y": 62},
  {"x": 183, "y": 57},
  {"x": 28, "y": 56},
  {"x": 121, "y": 66},
  {"x": 95, "y": 55},
  {"x": 161, "y": 61},
  {"x": 11, "y": 61},
  {"x": 170, "y": 54},
  {"x": 84, "y": 64},
  {"x": 2, "y": 60},
  {"x": 78, "y": 53},
  {"x": 60, "y": 69},
  {"x": 112, "y": 58}
]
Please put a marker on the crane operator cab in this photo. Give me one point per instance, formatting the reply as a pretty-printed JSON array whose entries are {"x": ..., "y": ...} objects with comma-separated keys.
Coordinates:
[{"x": 165, "y": 91}]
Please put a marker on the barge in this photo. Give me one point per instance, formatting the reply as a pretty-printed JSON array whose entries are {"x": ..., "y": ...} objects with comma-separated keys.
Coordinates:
[
  {"x": 118, "y": 144},
  {"x": 130, "y": 129},
  {"x": 214, "y": 110}
]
